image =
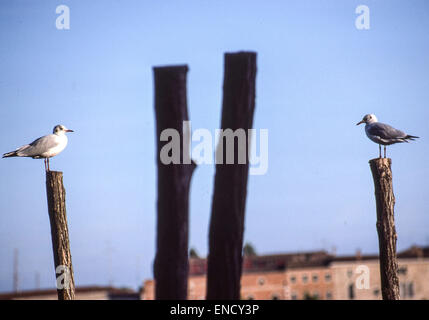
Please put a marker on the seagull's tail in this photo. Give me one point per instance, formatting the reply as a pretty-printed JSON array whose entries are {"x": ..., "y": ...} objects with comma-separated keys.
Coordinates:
[
  {"x": 410, "y": 137},
  {"x": 18, "y": 152},
  {"x": 10, "y": 154}
]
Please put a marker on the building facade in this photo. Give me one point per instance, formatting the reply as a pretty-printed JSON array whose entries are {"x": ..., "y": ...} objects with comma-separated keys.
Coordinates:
[
  {"x": 316, "y": 275},
  {"x": 81, "y": 293}
]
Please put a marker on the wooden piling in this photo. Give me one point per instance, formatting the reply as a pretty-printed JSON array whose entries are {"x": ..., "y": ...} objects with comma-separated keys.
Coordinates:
[
  {"x": 385, "y": 202},
  {"x": 60, "y": 236},
  {"x": 171, "y": 261},
  {"x": 230, "y": 188}
]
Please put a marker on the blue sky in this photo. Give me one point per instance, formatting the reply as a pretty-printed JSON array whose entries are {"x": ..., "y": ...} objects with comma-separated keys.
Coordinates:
[{"x": 317, "y": 76}]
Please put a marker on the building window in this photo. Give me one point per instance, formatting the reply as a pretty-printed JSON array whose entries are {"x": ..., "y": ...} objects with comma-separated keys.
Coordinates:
[
  {"x": 294, "y": 296},
  {"x": 349, "y": 273},
  {"x": 250, "y": 297},
  {"x": 275, "y": 296},
  {"x": 315, "y": 277},
  {"x": 304, "y": 278},
  {"x": 328, "y": 277},
  {"x": 351, "y": 292},
  {"x": 402, "y": 290},
  {"x": 411, "y": 290},
  {"x": 261, "y": 281},
  {"x": 309, "y": 296},
  {"x": 376, "y": 292},
  {"x": 328, "y": 295},
  {"x": 293, "y": 279},
  {"x": 402, "y": 270}
]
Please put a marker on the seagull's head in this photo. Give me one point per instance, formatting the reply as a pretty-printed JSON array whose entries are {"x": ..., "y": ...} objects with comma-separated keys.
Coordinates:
[
  {"x": 60, "y": 129},
  {"x": 368, "y": 118}
]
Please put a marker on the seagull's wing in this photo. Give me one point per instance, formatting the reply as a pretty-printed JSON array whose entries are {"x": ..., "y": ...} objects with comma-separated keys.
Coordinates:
[
  {"x": 38, "y": 146},
  {"x": 384, "y": 131}
]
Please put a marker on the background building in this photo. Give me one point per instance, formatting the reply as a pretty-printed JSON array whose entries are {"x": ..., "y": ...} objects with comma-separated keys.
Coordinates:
[
  {"x": 82, "y": 293},
  {"x": 316, "y": 275}
]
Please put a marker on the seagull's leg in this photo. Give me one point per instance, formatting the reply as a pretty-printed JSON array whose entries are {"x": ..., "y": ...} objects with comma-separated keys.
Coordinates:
[
  {"x": 48, "y": 165},
  {"x": 379, "y": 149},
  {"x": 385, "y": 151},
  {"x": 46, "y": 168}
]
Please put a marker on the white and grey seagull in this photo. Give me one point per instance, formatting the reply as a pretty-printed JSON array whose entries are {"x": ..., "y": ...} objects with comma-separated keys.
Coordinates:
[
  {"x": 383, "y": 134},
  {"x": 45, "y": 147}
]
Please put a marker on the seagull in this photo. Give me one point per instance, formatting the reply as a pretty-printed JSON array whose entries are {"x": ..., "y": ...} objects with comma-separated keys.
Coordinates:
[
  {"x": 383, "y": 134},
  {"x": 45, "y": 147}
]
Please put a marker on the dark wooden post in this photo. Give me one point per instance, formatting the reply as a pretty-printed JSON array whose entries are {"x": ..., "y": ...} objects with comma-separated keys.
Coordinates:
[
  {"x": 171, "y": 261},
  {"x": 56, "y": 195},
  {"x": 385, "y": 202},
  {"x": 230, "y": 188}
]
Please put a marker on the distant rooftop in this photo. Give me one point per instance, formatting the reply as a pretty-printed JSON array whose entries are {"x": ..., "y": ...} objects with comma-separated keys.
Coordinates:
[
  {"x": 278, "y": 262},
  {"x": 112, "y": 293}
]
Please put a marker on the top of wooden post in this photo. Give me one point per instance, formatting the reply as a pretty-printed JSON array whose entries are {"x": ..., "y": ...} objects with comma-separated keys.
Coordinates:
[
  {"x": 381, "y": 167},
  {"x": 171, "y": 68},
  {"x": 380, "y": 161},
  {"x": 241, "y": 53},
  {"x": 51, "y": 173}
]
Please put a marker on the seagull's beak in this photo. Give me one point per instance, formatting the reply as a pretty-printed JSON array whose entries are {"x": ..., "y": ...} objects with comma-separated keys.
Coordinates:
[
  {"x": 68, "y": 130},
  {"x": 360, "y": 122}
]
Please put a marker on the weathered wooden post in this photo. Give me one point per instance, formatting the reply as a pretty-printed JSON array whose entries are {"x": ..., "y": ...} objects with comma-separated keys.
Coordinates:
[
  {"x": 56, "y": 195},
  {"x": 385, "y": 202},
  {"x": 171, "y": 261},
  {"x": 230, "y": 188}
]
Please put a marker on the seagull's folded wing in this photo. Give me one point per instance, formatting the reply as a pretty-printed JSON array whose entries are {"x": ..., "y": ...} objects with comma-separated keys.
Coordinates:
[
  {"x": 384, "y": 131},
  {"x": 38, "y": 146}
]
